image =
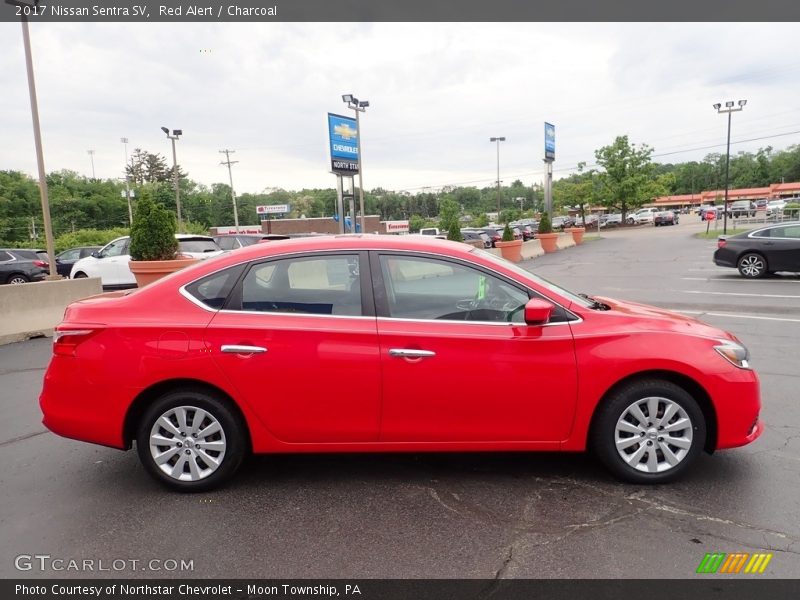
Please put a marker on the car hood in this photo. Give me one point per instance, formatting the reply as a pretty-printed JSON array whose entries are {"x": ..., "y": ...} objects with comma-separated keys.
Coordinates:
[{"x": 660, "y": 319}]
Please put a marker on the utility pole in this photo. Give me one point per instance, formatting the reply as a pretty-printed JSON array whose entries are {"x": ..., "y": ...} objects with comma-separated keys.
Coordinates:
[
  {"x": 230, "y": 162},
  {"x": 91, "y": 156},
  {"x": 127, "y": 181},
  {"x": 37, "y": 139},
  {"x": 498, "y": 140}
]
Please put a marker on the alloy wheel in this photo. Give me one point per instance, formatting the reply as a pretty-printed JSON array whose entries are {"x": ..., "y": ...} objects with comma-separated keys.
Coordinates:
[
  {"x": 752, "y": 265},
  {"x": 187, "y": 443},
  {"x": 653, "y": 434}
]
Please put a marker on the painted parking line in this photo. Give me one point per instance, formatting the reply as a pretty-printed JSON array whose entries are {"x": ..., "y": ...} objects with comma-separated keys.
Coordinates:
[
  {"x": 735, "y": 316},
  {"x": 739, "y": 294},
  {"x": 737, "y": 280}
]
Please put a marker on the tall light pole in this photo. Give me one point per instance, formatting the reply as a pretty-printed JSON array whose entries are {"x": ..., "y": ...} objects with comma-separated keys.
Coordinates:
[
  {"x": 127, "y": 181},
  {"x": 176, "y": 133},
  {"x": 358, "y": 106},
  {"x": 37, "y": 138},
  {"x": 230, "y": 162},
  {"x": 729, "y": 108},
  {"x": 498, "y": 140},
  {"x": 91, "y": 157}
]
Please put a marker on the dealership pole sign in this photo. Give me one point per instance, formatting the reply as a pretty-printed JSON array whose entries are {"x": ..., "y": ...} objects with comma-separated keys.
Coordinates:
[
  {"x": 272, "y": 209},
  {"x": 549, "y": 141},
  {"x": 343, "y": 135}
]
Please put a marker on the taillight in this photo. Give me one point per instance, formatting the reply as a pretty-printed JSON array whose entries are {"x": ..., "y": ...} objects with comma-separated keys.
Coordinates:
[
  {"x": 721, "y": 243},
  {"x": 40, "y": 263},
  {"x": 66, "y": 341}
]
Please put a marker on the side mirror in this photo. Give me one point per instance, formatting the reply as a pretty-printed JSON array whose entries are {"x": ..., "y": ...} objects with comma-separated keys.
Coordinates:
[
  {"x": 96, "y": 254},
  {"x": 537, "y": 312}
]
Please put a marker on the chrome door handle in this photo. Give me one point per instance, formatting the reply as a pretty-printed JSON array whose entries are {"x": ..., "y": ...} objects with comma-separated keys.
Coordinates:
[
  {"x": 234, "y": 349},
  {"x": 409, "y": 353}
]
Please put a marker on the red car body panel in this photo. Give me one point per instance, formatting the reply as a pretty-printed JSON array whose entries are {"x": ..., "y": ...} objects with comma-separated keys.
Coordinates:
[{"x": 328, "y": 384}]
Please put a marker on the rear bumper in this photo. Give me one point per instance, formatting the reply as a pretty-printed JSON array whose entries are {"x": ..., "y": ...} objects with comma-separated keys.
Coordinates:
[{"x": 75, "y": 407}]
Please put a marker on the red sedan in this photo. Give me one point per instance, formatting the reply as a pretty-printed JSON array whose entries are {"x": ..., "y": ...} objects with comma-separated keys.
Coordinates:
[{"x": 378, "y": 343}]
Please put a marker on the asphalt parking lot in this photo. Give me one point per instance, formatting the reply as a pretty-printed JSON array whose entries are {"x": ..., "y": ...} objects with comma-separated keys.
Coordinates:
[{"x": 438, "y": 516}]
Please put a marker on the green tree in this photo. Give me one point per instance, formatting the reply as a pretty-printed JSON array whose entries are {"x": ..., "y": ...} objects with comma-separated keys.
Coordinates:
[
  {"x": 449, "y": 211},
  {"x": 415, "y": 223},
  {"x": 628, "y": 179}
]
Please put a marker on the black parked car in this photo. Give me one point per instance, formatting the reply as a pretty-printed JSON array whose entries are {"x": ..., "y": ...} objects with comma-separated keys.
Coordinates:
[
  {"x": 766, "y": 250},
  {"x": 67, "y": 258},
  {"x": 473, "y": 235},
  {"x": 21, "y": 265}
]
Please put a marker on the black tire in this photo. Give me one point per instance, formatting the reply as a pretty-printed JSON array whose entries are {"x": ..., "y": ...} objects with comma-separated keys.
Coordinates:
[
  {"x": 80, "y": 275},
  {"x": 17, "y": 278},
  {"x": 752, "y": 265},
  {"x": 604, "y": 434},
  {"x": 233, "y": 435}
]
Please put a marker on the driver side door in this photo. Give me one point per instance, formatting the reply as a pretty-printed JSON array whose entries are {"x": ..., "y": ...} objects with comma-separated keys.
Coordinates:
[{"x": 458, "y": 362}]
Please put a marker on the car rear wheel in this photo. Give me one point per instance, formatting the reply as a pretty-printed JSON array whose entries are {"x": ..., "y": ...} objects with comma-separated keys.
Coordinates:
[
  {"x": 649, "y": 431},
  {"x": 190, "y": 440},
  {"x": 17, "y": 278},
  {"x": 752, "y": 265},
  {"x": 80, "y": 275}
]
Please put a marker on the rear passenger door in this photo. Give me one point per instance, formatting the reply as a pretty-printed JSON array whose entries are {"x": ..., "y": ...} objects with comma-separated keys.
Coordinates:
[{"x": 297, "y": 339}]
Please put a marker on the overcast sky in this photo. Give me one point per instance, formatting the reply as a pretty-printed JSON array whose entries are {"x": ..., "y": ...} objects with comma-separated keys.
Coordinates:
[{"x": 437, "y": 92}]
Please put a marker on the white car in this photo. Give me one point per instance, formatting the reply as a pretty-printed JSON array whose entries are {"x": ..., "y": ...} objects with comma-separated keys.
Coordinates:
[
  {"x": 110, "y": 263},
  {"x": 775, "y": 208},
  {"x": 643, "y": 215}
]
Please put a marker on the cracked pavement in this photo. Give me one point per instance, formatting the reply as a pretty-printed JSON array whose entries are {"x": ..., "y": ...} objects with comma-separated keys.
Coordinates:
[{"x": 491, "y": 516}]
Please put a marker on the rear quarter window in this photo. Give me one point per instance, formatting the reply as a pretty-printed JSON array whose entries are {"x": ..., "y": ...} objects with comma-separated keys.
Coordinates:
[{"x": 213, "y": 290}]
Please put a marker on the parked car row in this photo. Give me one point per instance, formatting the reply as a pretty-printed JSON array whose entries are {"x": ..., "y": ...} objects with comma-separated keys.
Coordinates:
[{"x": 110, "y": 263}]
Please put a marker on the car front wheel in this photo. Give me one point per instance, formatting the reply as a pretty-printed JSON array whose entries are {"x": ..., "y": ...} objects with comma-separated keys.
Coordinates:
[
  {"x": 190, "y": 440},
  {"x": 649, "y": 431},
  {"x": 752, "y": 265}
]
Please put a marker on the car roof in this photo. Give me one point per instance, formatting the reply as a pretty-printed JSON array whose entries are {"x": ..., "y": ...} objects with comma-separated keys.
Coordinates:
[{"x": 745, "y": 234}]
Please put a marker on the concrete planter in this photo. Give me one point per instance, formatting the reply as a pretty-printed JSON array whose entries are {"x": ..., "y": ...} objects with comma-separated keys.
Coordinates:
[
  {"x": 549, "y": 241},
  {"x": 511, "y": 251},
  {"x": 148, "y": 271},
  {"x": 577, "y": 233}
]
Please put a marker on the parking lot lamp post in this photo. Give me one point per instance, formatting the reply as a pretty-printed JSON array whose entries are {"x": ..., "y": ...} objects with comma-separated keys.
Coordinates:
[
  {"x": 176, "y": 133},
  {"x": 358, "y": 106},
  {"x": 498, "y": 140},
  {"x": 729, "y": 108}
]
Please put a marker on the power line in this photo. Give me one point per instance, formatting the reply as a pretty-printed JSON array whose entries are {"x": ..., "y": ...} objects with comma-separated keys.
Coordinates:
[{"x": 575, "y": 166}]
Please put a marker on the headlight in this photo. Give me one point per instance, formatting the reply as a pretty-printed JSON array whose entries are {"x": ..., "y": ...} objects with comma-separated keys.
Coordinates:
[{"x": 734, "y": 353}]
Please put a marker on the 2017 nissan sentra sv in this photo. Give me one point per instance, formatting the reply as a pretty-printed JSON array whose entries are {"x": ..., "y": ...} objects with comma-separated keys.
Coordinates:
[{"x": 377, "y": 343}]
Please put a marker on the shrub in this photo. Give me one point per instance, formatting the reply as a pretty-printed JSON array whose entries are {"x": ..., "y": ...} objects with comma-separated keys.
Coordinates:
[
  {"x": 544, "y": 224},
  {"x": 153, "y": 232},
  {"x": 454, "y": 233},
  {"x": 88, "y": 237},
  {"x": 508, "y": 235}
]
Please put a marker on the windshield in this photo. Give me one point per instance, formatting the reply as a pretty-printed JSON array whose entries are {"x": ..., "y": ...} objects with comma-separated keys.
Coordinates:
[
  {"x": 198, "y": 245},
  {"x": 572, "y": 297}
]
